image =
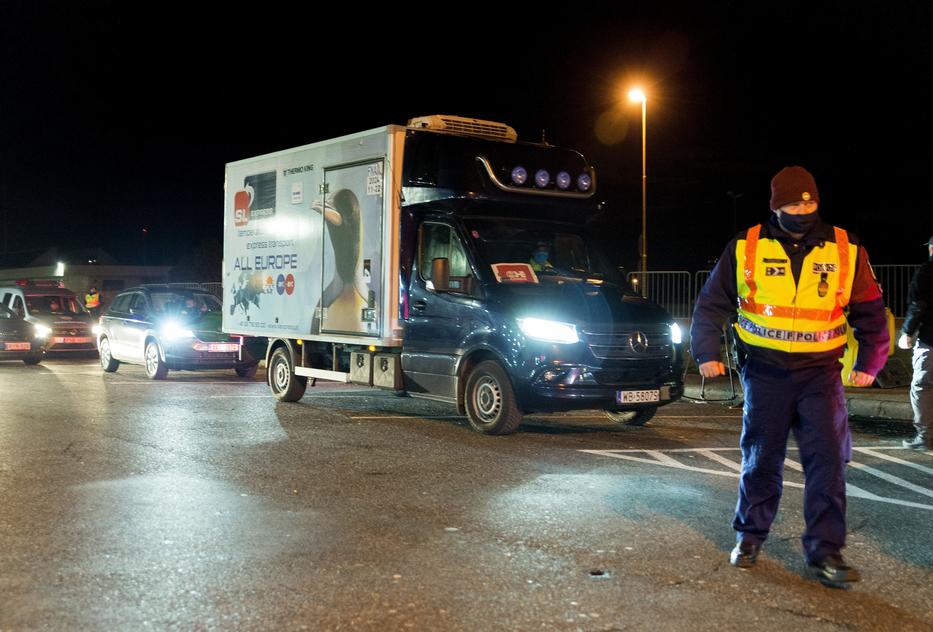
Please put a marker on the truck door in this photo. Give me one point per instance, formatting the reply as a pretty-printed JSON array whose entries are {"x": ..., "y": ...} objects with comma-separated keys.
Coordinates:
[
  {"x": 352, "y": 209},
  {"x": 437, "y": 322}
]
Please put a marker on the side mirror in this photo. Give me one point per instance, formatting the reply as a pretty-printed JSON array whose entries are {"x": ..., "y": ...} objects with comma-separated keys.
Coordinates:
[{"x": 440, "y": 274}]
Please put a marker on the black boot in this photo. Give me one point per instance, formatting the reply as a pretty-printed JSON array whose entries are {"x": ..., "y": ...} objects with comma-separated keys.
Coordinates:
[
  {"x": 744, "y": 555},
  {"x": 832, "y": 571}
]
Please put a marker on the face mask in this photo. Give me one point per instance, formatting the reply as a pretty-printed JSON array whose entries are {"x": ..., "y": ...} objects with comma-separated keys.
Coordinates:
[
  {"x": 541, "y": 257},
  {"x": 798, "y": 224}
]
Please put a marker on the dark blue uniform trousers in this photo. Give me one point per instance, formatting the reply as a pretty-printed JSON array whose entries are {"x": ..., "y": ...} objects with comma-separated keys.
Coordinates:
[{"x": 811, "y": 402}]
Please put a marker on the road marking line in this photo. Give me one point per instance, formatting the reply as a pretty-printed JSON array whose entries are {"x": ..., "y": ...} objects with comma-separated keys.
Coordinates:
[
  {"x": 896, "y": 480},
  {"x": 732, "y": 465},
  {"x": 894, "y": 459},
  {"x": 792, "y": 464}
]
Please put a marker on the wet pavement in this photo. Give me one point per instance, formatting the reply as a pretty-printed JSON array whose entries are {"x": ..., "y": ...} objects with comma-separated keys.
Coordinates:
[{"x": 200, "y": 502}]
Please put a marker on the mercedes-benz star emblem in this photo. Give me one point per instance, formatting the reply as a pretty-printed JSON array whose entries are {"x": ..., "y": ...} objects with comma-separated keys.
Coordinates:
[{"x": 638, "y": 342}]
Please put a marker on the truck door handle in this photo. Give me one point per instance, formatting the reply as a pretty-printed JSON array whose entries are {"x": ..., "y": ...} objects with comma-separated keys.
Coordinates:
[{"x": 419, "y": 305}]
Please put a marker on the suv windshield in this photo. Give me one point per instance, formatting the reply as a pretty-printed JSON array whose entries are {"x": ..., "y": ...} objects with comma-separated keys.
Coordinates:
[
  {"x": 553, "y": 250},
  {"x": 54, "y": 304},
  {"x": 184, "y": 303}
]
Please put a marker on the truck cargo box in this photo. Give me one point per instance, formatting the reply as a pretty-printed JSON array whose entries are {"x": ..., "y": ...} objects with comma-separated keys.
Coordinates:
[{"x": 311, "y": 241}]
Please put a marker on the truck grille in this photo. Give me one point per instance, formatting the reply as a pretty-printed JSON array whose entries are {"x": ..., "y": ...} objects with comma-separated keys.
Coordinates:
[
  {"x": 630, "y": 344},
  {"x": 648, "y": 371}
]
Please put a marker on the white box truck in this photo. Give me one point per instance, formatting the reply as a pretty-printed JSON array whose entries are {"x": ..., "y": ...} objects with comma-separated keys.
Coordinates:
[{"x": 445, "y": 260}]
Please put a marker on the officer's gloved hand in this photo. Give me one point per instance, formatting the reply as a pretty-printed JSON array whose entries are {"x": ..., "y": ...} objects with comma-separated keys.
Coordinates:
[
  {"x": 714, "y": 368},
  {"x": 906, "y": 342},
  {"x": 858, "y": 378}
]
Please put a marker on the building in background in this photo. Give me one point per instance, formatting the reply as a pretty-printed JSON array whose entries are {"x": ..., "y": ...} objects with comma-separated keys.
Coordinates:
[{"x": 78, "y": 270}]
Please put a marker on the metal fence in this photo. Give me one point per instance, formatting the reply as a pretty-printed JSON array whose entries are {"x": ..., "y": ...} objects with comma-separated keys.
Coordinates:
[
  {"x": 676, "y": 292},
  {"x": 895, "y": 281},
  {"x": 668, "y": 288}
]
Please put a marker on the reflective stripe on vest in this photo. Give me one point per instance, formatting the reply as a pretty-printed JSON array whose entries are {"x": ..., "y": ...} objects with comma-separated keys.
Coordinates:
[
  {"x": 792, "y": 336},
  {"x": 779, "y": 313}
]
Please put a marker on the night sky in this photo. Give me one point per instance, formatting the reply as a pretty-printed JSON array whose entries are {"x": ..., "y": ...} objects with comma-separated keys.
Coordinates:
[{"x": 116, "y": 118}]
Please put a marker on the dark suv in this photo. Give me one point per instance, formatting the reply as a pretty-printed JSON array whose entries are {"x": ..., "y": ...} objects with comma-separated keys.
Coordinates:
[{"x": 164, "y": 327}]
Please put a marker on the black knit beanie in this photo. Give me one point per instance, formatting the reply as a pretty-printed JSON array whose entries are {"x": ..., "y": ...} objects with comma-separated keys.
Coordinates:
[{"x": 793, "y": 184}]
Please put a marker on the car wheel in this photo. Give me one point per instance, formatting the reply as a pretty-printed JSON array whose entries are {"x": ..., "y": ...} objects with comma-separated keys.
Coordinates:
[
  {"x": 490, "y": 402},
  {"x": 33, "y": 359},
  {"x": 285, "y": 385},
  {"x": 632, "y": 417},
  {"x": 106, "y": 358},
  {"x": 155, "y": 365},
  {"x": 246, "y": 370}
]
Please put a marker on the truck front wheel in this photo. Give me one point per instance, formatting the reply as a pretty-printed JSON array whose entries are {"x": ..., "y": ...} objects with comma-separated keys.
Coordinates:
[
  {"x": 490, "y": 401},
  {"x": 632, "y": 417},
  {"x": 285, "y": 385}
]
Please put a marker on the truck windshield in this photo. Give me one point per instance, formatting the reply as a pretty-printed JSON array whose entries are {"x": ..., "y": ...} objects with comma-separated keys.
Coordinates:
[{"x": 553, "y": 250}]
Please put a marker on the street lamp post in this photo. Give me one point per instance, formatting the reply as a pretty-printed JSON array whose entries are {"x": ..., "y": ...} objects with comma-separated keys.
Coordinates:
[{"x": 636, "y": 94}]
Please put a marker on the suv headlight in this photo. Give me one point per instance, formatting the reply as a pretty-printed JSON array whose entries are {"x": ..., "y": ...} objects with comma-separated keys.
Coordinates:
[
  {"x": 42, "y": 331},
  {"x": 549, "y": 330},
  {"x": 173, "y": 331}
]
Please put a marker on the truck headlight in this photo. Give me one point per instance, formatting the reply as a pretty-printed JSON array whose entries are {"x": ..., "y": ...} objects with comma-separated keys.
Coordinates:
[
  {"x": 677, "y": 336},
  {"x": 42, "y": 331},
  {"x": 173, "y": 331},
  {"x": 548, "y": 330}
]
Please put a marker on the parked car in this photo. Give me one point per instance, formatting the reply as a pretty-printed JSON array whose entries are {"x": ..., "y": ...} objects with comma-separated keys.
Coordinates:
[
  {"x": 51, "y": 304},
  {"x": 19, "y": 339},
  {"x": 168, "y": 328}
]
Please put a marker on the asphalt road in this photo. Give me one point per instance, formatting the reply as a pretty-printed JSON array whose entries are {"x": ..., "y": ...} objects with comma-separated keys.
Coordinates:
[{"x": 201, "y": 503}]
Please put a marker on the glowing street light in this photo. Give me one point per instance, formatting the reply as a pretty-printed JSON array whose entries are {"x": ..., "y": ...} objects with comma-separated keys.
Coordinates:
[{"x": 638, "y": 95}]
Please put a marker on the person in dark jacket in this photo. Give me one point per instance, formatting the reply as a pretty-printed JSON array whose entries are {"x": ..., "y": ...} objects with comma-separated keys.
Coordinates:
[
  {"x": 790, "y": 289},
  {"x": 917, "y": 333}
]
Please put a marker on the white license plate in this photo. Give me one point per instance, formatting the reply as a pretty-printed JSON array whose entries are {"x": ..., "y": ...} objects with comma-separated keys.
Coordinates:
[
  {"x": 69, "y": 340},
  {"x": 223, "y": 347},
  {"x": 18, "y": 346},
  {"x": 634, "y": 397}
]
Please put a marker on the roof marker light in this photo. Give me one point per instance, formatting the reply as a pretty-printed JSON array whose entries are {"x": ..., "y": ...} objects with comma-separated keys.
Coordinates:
[
  {"x": 542, "y": 178},
  {"x": 519, "y": 176},
  {"x": 563, "y": 180},
  {"x": 584, "y": 182}
]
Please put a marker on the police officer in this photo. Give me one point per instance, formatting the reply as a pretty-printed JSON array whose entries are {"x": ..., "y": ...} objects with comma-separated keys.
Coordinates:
[
  {"x": 917, "y": 333},
  {"x": 92, "y": 300},
  {"x": 791, "y": 288}
]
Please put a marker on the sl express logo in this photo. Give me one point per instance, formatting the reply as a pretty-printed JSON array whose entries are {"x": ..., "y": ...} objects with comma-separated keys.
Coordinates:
[
  {"x": 255, "y": 200},
  {"x": 283, "y": 284}
]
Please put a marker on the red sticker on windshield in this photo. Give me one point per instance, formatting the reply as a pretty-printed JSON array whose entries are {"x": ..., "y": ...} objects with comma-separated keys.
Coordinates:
[{"x": 514, "y": 273}]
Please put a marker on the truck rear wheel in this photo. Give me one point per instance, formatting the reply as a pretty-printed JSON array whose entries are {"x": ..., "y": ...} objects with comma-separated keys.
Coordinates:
[
  {"x": 490, "y": 402},
  {"x": 285, "y": 385},
  {"x": 632, "y": 417}
]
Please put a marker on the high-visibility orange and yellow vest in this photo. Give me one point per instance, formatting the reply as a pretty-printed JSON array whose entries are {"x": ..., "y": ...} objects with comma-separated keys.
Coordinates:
[
  {"x": 92, "y": 300},
  {"x": 806, "y": 316}
]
